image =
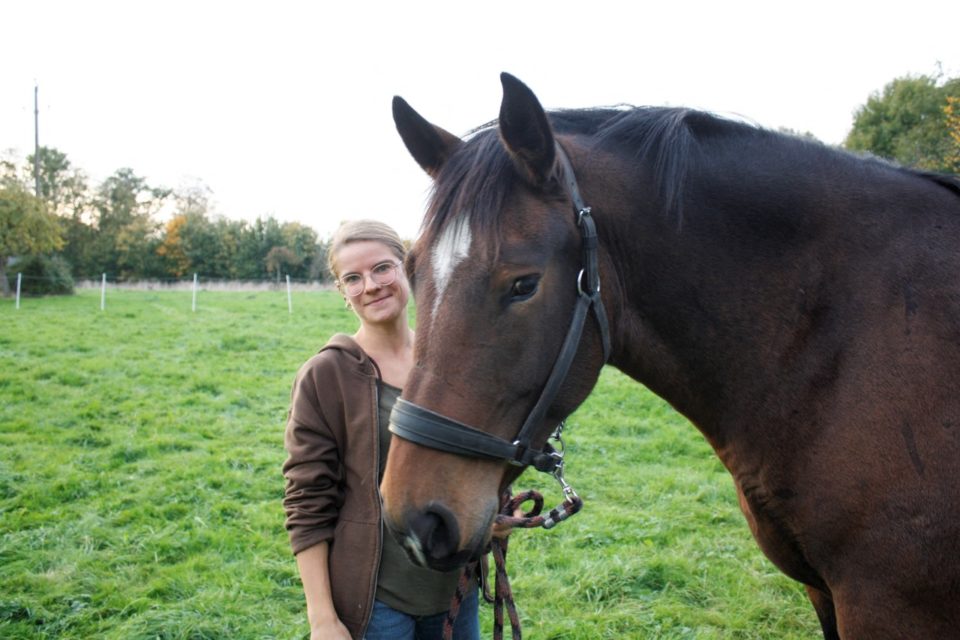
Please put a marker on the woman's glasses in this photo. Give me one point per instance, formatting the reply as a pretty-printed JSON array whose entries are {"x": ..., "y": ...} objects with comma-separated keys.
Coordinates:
[{"x": 383, "y": 274}]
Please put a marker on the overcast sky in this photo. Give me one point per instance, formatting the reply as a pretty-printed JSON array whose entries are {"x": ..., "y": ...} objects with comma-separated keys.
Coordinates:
[{"x": 283, "y": 108}]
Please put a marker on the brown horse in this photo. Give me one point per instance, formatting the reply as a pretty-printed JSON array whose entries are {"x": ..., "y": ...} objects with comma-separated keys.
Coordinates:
[{"x": 798, "y": 304}]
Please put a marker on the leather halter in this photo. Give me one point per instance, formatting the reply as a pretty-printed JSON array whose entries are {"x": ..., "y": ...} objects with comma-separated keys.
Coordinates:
[{"x": 430, "y": 429}]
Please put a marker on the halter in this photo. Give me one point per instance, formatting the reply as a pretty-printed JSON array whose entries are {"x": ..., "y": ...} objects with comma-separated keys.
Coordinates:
[{"x": 430, "y": 429}]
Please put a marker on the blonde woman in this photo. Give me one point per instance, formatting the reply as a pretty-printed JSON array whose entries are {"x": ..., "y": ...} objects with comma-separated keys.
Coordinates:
[{"x": 357, "y": 580}]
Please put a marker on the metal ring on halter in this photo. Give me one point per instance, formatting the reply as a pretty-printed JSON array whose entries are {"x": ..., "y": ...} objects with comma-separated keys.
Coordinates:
[
  {"x": 558, "y": 437},
  {"x": 580, "y": 290}
]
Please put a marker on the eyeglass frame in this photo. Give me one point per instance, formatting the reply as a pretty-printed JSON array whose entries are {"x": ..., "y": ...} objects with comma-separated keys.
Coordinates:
[{"x": 344, "y": 288}]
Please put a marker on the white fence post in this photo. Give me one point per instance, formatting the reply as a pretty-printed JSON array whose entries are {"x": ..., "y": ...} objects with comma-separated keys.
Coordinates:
[
  {"x": 289, "y": 297},
  {"x": 194, "y": 292},
  {"x": 103, "y": 292},
  {"x": 19, "y": 278}
]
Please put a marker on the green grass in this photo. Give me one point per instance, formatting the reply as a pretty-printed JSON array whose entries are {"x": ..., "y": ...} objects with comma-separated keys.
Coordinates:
[{"x": 140, "y": 488}]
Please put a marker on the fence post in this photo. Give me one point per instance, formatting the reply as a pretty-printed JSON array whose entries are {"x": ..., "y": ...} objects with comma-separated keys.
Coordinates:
[
  {"x": 289, "y": 297},
  {"x": 194, "y": 292},
  {"x": 19, "y": 277},
  {"x": 103, "y": 292}
]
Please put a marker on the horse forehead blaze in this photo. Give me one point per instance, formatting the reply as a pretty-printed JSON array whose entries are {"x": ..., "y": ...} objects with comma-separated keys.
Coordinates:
[{"x": 450, "y": 249}]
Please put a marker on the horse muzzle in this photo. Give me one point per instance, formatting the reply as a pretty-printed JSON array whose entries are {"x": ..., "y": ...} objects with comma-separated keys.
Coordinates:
[{"x": 431, "y": 538}]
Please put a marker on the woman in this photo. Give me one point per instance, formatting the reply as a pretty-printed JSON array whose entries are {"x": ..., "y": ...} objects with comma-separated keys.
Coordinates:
[{"x": 357, "y": 580}]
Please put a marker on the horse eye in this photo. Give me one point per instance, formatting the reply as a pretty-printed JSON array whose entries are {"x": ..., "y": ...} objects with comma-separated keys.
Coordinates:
[{"x": 524, "y": 287}]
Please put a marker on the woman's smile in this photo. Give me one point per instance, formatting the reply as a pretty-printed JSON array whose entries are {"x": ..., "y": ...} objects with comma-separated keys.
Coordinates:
[{"x": 379, "y": 300}]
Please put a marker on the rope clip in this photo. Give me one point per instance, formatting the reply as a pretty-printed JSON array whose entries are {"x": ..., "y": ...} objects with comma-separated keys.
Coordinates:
[{"x": 558, "y": 453}]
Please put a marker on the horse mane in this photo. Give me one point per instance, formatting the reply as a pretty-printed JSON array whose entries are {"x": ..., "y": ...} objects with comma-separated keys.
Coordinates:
[
  {"x": 947, "y": 181},
  {"x": 478, "y": 178}
]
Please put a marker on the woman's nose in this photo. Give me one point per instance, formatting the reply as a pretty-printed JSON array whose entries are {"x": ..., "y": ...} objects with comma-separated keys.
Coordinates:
[{"x": 369, "y": 284}]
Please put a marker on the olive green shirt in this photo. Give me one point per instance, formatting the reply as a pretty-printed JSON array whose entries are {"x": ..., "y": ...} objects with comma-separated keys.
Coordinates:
[{"x": 402, "y": 585}]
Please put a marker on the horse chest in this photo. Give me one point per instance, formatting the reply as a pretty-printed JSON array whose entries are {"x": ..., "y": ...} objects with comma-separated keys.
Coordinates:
[{"x": 769, "y": 520}]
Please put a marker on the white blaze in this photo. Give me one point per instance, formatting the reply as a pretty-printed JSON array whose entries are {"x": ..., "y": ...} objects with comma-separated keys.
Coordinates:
[{"x": 450, "y": 250}]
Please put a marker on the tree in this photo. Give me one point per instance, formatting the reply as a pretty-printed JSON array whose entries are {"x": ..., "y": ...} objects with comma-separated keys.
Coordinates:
[
  {"x": 26, "y": 228},
  {"x": 64, "y": 190},
  {"x": 62, "y": 187},
  {"x": 80, "y": 248},
  {"x": 171, "y": 249},
  {"x": 127, "y": 235},
  {"x": 279, "y": 257},
  {"x": 301, "y": 240},
  {"x": 190, "y": 243},
  {"x": 952, "y": 112},
  {"x": 318, "y": 264},
  {"x": 229, "y": 235},
  {"x": 907, "y": 122},
  {"x": 8, "y": 169},
  {"x": 253, "y": 243}
]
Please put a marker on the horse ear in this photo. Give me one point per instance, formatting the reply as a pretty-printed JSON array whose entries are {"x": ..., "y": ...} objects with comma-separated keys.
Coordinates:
[
  {"x": 429, "y": 145},
  {"x": 525, "y": 130}
]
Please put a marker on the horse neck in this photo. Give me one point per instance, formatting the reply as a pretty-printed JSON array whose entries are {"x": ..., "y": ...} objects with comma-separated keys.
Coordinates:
[{"x": 717, "y": 306}]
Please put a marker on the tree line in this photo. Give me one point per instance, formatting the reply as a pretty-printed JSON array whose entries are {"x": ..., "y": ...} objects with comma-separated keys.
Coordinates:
[{"x": 57, "y": 227}]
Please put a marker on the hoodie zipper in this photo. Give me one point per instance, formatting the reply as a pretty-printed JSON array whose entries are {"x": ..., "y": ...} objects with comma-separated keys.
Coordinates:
[{"x": 371, "y": 596}]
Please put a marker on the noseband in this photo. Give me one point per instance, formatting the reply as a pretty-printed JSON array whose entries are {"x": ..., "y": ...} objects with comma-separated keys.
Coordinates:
[{"x": 427, "y": 428}]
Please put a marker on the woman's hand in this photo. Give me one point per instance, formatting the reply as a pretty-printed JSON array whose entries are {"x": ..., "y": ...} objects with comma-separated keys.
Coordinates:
[
  {"x": 501, "y": 530},
  {"x": 329, "y": 630},
  {"x": 314, "y": 573}
]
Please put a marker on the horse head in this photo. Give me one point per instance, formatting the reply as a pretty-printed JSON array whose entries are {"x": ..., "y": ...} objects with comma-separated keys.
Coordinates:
[{"x": 497, "y": 274}]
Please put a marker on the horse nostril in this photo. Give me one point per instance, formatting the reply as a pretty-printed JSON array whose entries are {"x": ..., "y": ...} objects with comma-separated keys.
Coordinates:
[{"x": 436, "y": 529}]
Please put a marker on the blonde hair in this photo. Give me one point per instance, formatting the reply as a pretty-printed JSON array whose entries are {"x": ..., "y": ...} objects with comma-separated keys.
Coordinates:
[{"x": 358, "y": 231}]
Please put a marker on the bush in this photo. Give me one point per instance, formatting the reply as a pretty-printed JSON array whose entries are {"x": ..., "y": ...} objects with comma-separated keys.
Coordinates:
[{"x": 42, "y": 275}]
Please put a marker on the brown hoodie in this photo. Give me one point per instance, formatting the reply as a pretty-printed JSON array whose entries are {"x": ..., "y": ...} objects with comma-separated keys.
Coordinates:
[{"x": 332, "y": 491}]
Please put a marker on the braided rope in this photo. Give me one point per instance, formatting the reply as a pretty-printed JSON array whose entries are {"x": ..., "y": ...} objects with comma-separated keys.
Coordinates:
[
  {"x": 463, "y": 586},
  {"x": 503, "y": 594}
]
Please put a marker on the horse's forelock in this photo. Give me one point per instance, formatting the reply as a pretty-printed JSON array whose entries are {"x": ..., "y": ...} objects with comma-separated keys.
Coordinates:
[{"x": 473, "y": 185}]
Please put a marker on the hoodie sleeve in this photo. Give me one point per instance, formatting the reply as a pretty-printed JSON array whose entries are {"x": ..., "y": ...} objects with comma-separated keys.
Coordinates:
[{"x": 313, "y": 469}]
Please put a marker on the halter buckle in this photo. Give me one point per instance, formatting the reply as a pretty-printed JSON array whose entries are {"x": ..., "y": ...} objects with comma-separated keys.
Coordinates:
[
  {"x": 517, "y": 459},
  {"x": 581, "y": 214}
]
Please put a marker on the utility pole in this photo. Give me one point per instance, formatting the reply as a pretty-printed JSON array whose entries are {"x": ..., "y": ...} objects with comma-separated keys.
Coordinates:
[{"x": 36, "y": 140}]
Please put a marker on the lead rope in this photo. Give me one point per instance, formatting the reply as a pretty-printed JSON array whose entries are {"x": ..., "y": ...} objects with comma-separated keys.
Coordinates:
[{"x": 503, "y": 593}]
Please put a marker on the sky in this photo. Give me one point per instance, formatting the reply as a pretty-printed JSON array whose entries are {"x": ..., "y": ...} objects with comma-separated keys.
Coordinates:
[{"x": 282, "y": 108}]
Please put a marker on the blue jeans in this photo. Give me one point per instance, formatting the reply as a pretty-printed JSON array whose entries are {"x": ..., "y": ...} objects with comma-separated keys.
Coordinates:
[{"x": 390, "y": 624}]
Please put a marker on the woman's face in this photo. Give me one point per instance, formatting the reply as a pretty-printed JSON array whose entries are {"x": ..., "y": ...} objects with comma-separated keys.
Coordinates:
[{"x": 376, "y": 303}]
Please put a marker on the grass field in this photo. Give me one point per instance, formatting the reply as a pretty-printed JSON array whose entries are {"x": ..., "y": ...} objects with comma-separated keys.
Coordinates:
[{"x": 140, "y": 488}]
